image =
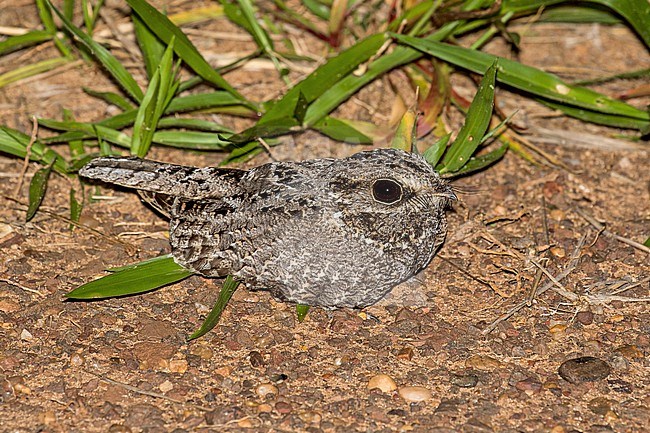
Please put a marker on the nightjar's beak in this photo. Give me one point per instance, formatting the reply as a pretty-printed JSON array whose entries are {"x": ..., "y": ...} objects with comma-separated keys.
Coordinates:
[{"x": 448, "y": 192}]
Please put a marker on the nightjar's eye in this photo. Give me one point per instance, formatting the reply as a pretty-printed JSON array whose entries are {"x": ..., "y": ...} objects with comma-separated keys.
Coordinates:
[{"x": 387, "y": 191}]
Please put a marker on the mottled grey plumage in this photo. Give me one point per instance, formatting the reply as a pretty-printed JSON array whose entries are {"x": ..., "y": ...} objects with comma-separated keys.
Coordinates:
[{"x": 329, "y": 232}]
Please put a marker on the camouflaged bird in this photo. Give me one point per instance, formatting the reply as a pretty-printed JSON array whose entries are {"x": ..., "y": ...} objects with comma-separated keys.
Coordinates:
[{"x": 328, "y": 232}]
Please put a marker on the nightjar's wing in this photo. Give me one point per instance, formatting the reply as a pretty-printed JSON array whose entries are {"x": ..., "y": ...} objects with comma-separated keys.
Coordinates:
[{"x": 160, "y": 184}]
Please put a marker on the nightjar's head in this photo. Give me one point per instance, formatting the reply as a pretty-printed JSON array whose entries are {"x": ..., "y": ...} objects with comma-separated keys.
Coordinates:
[{"x": 392, "y": 197}]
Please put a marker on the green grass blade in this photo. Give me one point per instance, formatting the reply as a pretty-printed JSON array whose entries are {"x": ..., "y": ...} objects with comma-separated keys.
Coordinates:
[
  {"x": 195, "y": 124},
  {"x": 37, "y": 189},
  {"x": 301, "y": 312},
  {"x": 434, "y": 152},
  {"x": 16, "y": 143},
  {"x": 317, "y": 8},
  {"x": 90, "y": 130},
  {"x": 228, "y": 288},
  {"x": 596, "y": 117},
  {"x": 526, "y": 78},
  {"x": 112, "y": 65},
  {"x": 635, "y": 12},
  {"x": 476, "y": 123},
  {"x": 343, "y": 130},
  {"x": 150, "y": 46},
  {"x": 160, "y": 91},
  {"x": 14, "y": 43},
  {"x": 76, "y": 207},
  {"x": 480, "y": 162},
  {"x": 31, "y": 70},
  {"x": 110, "y": 97},
  {"x": 141, "y": 277},
  {"x": 190, "y": 140},
  {"x": 166, "y": 30}
]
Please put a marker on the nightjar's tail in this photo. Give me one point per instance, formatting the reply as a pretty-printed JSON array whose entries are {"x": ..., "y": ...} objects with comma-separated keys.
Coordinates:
[{"x": 159, "y": 183}]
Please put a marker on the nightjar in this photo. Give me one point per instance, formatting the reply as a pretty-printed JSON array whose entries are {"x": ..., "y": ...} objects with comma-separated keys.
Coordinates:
[{"x": 328, "y": 232}]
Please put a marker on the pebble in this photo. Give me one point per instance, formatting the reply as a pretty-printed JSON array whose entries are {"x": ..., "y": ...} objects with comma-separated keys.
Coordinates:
[
  {"x": 76, "y": 360},
  {"x": 383, "y": 382},
  {"x": 585, "y": 317},
  {"x": 482, "y": 362},
  {"x": 283, "y": 407},
  {"x": 166, "y": 386},
  {"x": 119, "y": 428},
  {"x": 178, "y": 366},
  {"x": 264, "y": 408},
  {"x": 414, "y": 394},
  {"x": 584, "y": 369},
  {"x": 405, "y": 354},
  {"x": 266, "y": 388},
  {"x": 464, "y": 380}
]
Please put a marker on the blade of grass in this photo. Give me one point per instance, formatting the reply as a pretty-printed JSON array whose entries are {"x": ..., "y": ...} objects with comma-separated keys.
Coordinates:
[
  {"x": 190, "y": 140},
  {"x": 480, "y": 162},
  {"x": 31, "y": 70},
  {"x": 141, "y": 277},
  {"x": 76, "y": 207},
  {"x": 301, "y": 312},
  {"x": 37, "y": 189},
  {"x": 150, "y": 46},
  {"x": 110, "y": 97},
  {"x": 15, "y": 43},
  {"x": 404, "y": 138},
  {"x": 476, "y": 123},
  {"x": 635, "y": 12},
  {"x": 526, "y": 78},
  {"x": 161, "y": 90},
  {"x": 347, "y": 130},
  {"x": 16, "y": 143},
  {"x": 166, "y": 30},
  {"x": 434, "y": 152},
  {"x": 112, "y": 65},
  {"x": 228, "y": 288}
]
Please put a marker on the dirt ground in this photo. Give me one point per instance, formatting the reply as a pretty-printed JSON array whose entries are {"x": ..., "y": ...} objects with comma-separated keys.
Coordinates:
[{"x": 123, "y": 365}]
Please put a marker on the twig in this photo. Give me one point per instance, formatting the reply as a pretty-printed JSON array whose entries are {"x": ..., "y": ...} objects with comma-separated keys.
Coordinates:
[
  {"x": 559, "y": 287},
  {"x": 601, "y": 228},
  {"x": 570, "y": 268},
  {"x": 148, "y": 393},
  {"x": 27, "y": 289}
]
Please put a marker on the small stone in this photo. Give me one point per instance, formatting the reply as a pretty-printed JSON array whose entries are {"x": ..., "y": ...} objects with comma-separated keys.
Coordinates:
[
  {"x": 178, "y": 366},
  {"x": 630, "y": 352},
  {"x": 405, "y": 354},
  {"x": 26, "y": 335},
  {"x": 464, "y": 380},
  {"x": 529, "y": 384},
  {"x": 22, "y": 389},
  {"x": 584, "y": 369},
  {"x": 585, "y": 317},
  {"x": 414, "y": 394},
  {"x": 283, "y": 407},
  {"x": 383, "y": 382},
  {"x": 266, "y": 388},
  {"x": 119, "y": 428},
  {"x": 558, "y": 252},
  {"x": 601, "y": 405},
  {"x": 202, "y": 352},
  {"x": 76, "y": 360},
  {"x": 166, "y": 386},
  {"x": 256, "y": 359},
  {"x": 311, "y": 417},
  {"x": 482, "y": 362},
  {"x": 245, "y": 423},
  {"x": 264, "y": 408}
]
